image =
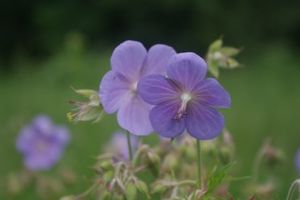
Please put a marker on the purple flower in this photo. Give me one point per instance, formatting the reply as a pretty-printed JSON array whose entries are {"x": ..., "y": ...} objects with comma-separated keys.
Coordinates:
[
  {"x": 130, "y": 62},
  {"x": 120, "y": 146},
  {"x": 184, "y": 99},
  {"x": 298, "y": 160},
  {"x": 41, "y": 143}
]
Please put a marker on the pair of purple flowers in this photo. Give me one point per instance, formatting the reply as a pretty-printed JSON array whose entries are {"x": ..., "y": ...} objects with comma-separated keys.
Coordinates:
[
  {"x": 42, "y": 143},
  {"x": 162, "y": 91}
]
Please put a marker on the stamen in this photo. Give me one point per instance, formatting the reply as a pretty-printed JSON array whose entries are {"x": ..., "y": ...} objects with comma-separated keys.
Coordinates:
[
  {"x": 134, "y": 87},
  {"x": 185, "y": 98}
]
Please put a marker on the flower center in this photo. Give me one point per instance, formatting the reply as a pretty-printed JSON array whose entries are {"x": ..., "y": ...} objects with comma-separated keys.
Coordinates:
[
  {"x": 185, "y": 98},
  {"x": 133, "y": 87}
]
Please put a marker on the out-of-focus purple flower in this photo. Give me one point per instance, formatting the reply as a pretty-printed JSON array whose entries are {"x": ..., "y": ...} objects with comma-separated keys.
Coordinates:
[
  {"x": 42, "y": 143},
  {"x": 130, "y": 62},
  {"x": 120, "y": 147},
  {"x": 298, "y": 160},
  {"x": 185, "y": 99}
]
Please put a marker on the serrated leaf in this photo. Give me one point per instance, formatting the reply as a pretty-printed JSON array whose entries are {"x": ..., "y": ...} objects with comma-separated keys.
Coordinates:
[
  {"x": 142, "y": 188},
  {"x": 217, "y": 177}
]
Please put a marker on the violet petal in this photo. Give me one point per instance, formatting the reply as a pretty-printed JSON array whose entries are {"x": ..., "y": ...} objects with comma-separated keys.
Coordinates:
[
  {"x": 128, "y": 58},
  {"x": 163, "y": 119},
  {"x": 187, "y": 69},
  {"x": 204, "y": 122},
  {"x": 155, "y": 89}
]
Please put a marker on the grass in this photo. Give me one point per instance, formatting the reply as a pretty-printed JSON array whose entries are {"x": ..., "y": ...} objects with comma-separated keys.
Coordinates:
[{"x": 265, "y": 97}]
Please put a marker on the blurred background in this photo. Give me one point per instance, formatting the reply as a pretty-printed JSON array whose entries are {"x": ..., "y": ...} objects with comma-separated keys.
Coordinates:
[{"x": 48, "y": 46}]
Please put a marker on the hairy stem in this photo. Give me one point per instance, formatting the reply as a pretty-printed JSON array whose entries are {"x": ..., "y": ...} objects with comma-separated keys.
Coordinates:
[
  {"x": 292, "y": 188},
  {"x": 199, "y": 163},
  {"x": 129, "y": 145}
]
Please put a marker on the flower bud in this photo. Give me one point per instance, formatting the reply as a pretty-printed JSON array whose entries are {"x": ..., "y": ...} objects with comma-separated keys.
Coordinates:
[
  {"x": 219, "y": 56},
  {"x": 153, "y": 159},
  {"x": 108, "y": 176},
  {"x": 106, "y": 165},
  {"x": 159, "y": 188},
  {"x": 170, "y": 162},
  {"x": 86, "y": 110}
]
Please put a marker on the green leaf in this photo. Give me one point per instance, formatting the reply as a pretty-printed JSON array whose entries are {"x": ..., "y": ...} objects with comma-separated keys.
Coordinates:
[
  {"x": 159, "y": 188},
  {"x": 217, "y": 177},
  {"x": 143, "y": 188},
  {"x": 131, "y": 192}
]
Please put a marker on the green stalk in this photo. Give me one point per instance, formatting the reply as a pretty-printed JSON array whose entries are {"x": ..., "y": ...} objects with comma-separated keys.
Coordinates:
[
  {"x": 292, "y": 189},
  {"x": 199, "y": 163},
  {"x": 129, "y": 145}
]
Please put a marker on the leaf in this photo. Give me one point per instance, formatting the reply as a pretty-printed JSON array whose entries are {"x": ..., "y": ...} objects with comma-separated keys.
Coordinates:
[
  {"x": 143, "y": 188},
  {"x": 131, "y": 192},
  {"x": 217, "y": 177}
]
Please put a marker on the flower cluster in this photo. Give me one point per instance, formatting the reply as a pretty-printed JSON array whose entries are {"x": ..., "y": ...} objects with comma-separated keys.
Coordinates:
[
  {"x": 163, "y": 91},
  {"x": 166, "y": 92}
]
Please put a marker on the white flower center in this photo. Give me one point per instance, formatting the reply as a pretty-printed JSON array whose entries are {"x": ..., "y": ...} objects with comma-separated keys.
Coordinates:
[
  {"x": 134, "y": 86},
  {"x": 185, "y": 98}
]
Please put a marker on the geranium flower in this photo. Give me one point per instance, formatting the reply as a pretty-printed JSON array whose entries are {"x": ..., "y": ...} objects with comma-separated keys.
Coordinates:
[
  {"x": 184, "y": 99},
  {"x": 42, "y": 143},
  {"x": 130, "y": 62}
]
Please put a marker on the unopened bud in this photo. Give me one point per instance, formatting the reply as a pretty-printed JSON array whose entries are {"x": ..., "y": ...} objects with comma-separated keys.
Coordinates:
[
  {"x": 108, "y": 176},
  {"x": 153, "y": 159},
  {"x": 159, "y": 188},
  {"x": 170, "y": 162}
]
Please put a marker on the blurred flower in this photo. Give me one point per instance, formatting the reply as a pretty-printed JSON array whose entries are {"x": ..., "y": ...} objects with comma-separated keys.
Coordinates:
[
  {"x": 219, "y": 56},
  {"x": 298, "y": 160},
  {"x": 185, "y": 99},
  {"x": 86, "y": 110},
  {"x": 42, "y": 143},
  {"x": 120, "y": 147},
  {"x": 130, "y": 61}
]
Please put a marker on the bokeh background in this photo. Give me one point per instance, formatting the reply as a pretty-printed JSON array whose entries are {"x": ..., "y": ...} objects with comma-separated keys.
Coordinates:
[{"x": 48, "y": 46}]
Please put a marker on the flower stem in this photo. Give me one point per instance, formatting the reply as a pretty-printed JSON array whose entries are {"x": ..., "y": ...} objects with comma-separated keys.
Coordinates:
[
  {"x": 199, "y": 163},
  {"x": 292, "y": 188},
  {"x": 129, "y": 145}
]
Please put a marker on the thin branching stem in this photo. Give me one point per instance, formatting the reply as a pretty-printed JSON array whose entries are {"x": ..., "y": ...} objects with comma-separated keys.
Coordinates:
[
  {"x": 129, "y": 145},
  {"x": 292, "y": 188},
  {"x": 199, "y": 163}
]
